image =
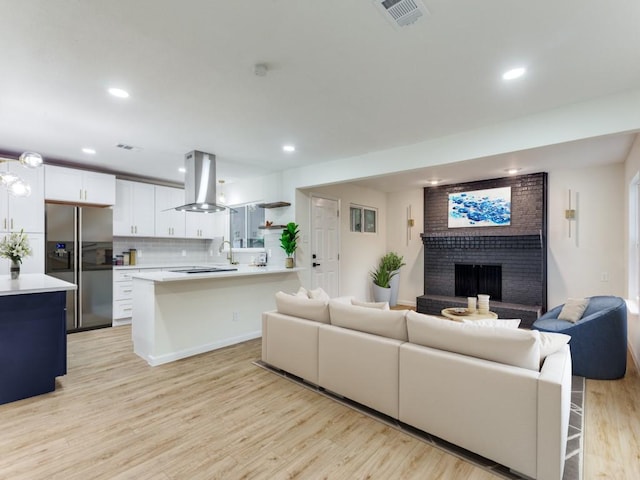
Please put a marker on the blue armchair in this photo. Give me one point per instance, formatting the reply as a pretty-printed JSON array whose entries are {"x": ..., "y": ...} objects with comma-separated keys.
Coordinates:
[{"x": 598, "y": 340}]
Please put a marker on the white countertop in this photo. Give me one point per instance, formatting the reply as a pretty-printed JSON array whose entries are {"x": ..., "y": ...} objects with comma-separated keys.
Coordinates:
[
  {"x": 243, "y": 271},
  {"x": 165, "y": 266},
  {"x": 32, "y": 283}
]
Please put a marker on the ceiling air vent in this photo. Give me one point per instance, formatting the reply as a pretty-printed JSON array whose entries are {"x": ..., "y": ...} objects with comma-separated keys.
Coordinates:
[
  {"x": 401, "y": 12},
  {"x": 130, "y": 148}
]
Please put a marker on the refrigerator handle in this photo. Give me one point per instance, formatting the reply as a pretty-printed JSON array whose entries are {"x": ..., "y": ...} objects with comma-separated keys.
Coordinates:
[{"x": 77, "y": 271}]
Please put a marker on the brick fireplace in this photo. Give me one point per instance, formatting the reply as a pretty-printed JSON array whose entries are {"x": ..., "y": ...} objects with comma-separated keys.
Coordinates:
[{"x": 517, "y": 251}]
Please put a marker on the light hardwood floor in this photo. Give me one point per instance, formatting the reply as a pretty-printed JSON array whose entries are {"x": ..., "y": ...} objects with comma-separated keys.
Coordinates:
[{"x": 217, "y": 416}]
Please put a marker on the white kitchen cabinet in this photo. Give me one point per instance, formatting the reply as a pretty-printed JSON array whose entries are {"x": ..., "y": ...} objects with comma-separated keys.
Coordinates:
[
  {"x": 31, "y": 264},
  {"x": 221, "y": 224},
  {"x": 134, "y": 211},
  {"x": 123, "y": 294},
  {"x": 169, "y": 222},
  {"x": 26, "y": 213},
  {"x": 199, "y": 225},
  {"x": 79, "y": 186}
]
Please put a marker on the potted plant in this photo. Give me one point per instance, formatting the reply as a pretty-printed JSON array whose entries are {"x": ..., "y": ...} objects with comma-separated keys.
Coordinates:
[
  {"x": 381, "y": 283},
  {"x": 15, "y": 247},
  {"x": 393, "y": 262},
  {"x": 289, "y": 242}
]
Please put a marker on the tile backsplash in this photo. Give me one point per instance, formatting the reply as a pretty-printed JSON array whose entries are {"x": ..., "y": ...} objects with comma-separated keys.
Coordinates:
[{"x": 158, "y": 251}]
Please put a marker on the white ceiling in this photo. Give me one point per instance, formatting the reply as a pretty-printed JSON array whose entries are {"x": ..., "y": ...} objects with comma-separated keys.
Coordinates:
[{"x": 341, "y": 80}]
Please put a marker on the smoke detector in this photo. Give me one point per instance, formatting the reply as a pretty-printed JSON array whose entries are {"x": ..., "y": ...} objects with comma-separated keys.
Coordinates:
[{"x": 401, "y": 12}]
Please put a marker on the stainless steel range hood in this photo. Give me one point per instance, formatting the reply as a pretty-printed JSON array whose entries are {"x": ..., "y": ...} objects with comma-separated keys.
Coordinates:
[{"x": 200, "y": 183}]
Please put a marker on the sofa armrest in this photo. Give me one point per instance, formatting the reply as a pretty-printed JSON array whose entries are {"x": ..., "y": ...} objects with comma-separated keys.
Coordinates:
[
  {"x": 291, "y": 344},
  {"x": 554, "y": 407}
]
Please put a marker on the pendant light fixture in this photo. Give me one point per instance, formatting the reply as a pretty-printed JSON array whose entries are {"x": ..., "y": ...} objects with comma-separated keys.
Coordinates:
[{"x": 14, "y": 184}]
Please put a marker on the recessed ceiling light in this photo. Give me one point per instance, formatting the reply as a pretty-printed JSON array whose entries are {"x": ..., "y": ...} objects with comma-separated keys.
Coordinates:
[
  {"x": 89, "y": 151},
  {"x": 514, "y": 73},
  {"x": 512, "y": 171},
  {"x": 434, "y": 182},
  {"x": 118, "y": 92},
  {"x": 182, "y": 170},
  {"x": 289, "y": 148}
]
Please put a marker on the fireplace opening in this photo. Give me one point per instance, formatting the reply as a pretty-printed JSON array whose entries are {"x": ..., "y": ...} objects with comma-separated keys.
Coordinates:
[{"x": 470, "y": 280}]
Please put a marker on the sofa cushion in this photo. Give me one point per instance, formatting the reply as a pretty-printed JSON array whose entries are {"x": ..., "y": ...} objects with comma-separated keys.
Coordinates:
[
  {"x": 551, "y": 343},
  {"x": 316, "y": 310},
  {"x": 379, "y": 305},
  {"x": 489, "y": 322},
  {"x": 510, "y": 346},
  {"x": 387, "y": 323},
  {"x": 573, "y": 309},
  {"x": 318, "y": 294},
  {"x": 302, "y": 293}
]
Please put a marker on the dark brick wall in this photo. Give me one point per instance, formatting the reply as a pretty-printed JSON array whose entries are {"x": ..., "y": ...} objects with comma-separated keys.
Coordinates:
[
  {"x": 528, "y": 205},
  {"x": 520, "y": 258},
  {"x": 520, "y": 248}
]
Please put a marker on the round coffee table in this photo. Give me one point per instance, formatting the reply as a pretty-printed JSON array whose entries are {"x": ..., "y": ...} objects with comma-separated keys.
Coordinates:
[{"x": 450, "y": 314}]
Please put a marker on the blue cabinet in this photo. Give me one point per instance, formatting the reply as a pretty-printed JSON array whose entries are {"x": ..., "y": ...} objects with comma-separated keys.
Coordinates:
[{"x": 33, "y": 344}]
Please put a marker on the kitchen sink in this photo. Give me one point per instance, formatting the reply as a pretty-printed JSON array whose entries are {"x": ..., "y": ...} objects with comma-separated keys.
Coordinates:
[{"x": 204, "y": 269}]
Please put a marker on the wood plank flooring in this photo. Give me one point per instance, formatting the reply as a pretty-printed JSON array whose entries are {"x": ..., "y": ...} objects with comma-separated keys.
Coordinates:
[{"x": 217, "y": 416}]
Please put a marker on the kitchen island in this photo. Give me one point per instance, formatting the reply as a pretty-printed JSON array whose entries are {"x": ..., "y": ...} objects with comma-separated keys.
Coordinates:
[
  {"x": 178, "y": 314},
  {"x": 33, "y": 336}
]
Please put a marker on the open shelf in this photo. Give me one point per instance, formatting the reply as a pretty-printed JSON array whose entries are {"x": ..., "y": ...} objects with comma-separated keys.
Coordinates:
[
  {"x": 271, "y": 227},
  {"x": 274, "y": 205}
]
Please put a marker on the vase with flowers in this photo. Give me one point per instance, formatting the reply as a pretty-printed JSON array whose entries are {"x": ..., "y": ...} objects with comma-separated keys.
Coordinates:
[{"x": 15, "y": 247}]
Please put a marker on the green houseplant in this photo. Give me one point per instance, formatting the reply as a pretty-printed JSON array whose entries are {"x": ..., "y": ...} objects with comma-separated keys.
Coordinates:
[
  {"x": 381, "y": 283},
  {"x": 289, "y": 242},
  {"x": 393, "y": 263}
]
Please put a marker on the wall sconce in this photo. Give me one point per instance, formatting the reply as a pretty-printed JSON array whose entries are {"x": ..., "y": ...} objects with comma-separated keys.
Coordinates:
[
  {"x": 15, "y": 185},
  {"x": 410, "y": 223},
  {"x": 570, "y": 214}
]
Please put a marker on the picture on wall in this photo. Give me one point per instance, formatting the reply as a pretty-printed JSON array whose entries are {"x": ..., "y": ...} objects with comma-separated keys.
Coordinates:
[{"x": 480, "y": 208}]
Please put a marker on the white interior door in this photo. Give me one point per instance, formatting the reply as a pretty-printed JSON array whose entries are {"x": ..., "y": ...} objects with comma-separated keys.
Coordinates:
[{"x": 325, "y": 245}]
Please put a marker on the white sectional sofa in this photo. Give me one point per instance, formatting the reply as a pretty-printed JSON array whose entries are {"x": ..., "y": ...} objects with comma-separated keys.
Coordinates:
[{"x": 501, "y": 393}]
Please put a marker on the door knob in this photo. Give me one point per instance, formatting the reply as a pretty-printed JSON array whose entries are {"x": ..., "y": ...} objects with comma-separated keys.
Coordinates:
[{"x": 315, "y": 264}]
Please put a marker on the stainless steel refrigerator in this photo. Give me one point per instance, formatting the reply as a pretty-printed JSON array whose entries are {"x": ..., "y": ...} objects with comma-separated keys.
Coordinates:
[{"x": 79, "y": 249}]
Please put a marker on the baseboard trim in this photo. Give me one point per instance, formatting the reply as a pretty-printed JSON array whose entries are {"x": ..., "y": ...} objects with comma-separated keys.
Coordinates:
[{"x": 155, "y": 360}]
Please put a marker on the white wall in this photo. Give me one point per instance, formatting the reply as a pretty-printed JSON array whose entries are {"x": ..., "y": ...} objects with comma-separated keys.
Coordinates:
[
  {"x": 607, "y": 115},
  {"x": 632, "y": 167},
  {"x": 411, "y": 275},
  {"x": 359, "y": 252},
  {"x": 592, "y": 261}
]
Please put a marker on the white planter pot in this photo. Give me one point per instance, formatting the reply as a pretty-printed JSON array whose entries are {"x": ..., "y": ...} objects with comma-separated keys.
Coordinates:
[
  {"x": 395, "y": 285},
  {"x": 381, "y": 294}
]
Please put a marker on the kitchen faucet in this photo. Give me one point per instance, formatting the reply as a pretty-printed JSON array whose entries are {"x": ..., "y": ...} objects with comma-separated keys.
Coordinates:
[{"x": 230, "y": 255}]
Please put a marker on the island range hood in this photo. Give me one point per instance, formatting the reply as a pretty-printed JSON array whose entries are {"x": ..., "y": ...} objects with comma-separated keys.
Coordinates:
[{"x": 200, "y": 183}]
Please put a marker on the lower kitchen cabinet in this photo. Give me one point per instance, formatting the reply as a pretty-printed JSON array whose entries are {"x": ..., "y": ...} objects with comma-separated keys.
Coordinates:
[{"x": 123, "y": 294}]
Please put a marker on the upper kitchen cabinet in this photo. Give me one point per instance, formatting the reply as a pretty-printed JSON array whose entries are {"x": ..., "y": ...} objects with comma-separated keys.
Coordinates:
[
  {"x": 23, "y": 213},
  {"x": 200, "y": 225},
  {"x": 79, "y": 186},
  {"x": 134, "y": 212},
  {"x": 169, "y": 222}
]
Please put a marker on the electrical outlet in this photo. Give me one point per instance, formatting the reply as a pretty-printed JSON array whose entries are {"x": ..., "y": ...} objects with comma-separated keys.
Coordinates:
[
  {"x": 236, "y": 316},
  {"x": 139, "y": 253},
  {"x": 604, "y": 277},
  {"x": 184, "y": 253}
]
